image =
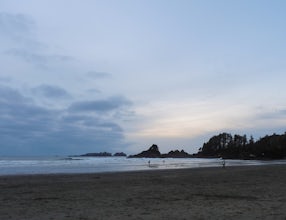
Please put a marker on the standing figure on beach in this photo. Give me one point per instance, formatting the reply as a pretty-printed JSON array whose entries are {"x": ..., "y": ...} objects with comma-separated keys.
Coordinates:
[
  {"x": 149, "y": 162},
  {"x": 223, "y": 163}
]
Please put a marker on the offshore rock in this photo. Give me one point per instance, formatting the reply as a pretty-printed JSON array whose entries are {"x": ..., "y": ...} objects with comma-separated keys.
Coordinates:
[
  {"x": 152, "y": 152},
  {"x": 176, "y": 154},
  {"x": 120, "y": 154},
  {"x": 101, "y": 154}
]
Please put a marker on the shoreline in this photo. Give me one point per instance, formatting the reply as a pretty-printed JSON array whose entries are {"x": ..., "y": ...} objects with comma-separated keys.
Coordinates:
[
  {"x": 74, "y": 168},
  {"x": 237, "y": 192},
  {"x": 140, "y": 171}
]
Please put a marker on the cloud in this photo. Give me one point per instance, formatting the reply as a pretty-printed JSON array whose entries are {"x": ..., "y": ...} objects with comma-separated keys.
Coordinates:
[
  {"x": 281, "y": 113},
  {"x": 50, "y": 91},
  {"x": 98, "y": 75},
  {"x": 38, "y": 59},
  {"x": 265, "y": 114},
  {"x": 49, "y": 121},
  {"x": 16, "y": 25},
  {"x": 88, "y": 121},
  {"x": 10, "y": 95},
  {"x": 20, "y": 29},
  {"x": 29, "y": 129},
  {"x": 5, "y": 79},
  {"x": 104, "y": 105},
  {"x": 93, "y": 91}
]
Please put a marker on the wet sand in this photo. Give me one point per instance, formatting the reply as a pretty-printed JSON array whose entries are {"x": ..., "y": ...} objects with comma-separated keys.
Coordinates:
[{"x": 253, "y": 192}]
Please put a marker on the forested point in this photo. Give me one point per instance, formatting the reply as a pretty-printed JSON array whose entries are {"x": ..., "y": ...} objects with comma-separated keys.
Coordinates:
[{"x": 240, "y": 147}]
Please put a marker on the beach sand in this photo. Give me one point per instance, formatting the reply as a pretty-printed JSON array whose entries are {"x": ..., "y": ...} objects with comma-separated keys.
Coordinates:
[{"x": 252, "y": 192}]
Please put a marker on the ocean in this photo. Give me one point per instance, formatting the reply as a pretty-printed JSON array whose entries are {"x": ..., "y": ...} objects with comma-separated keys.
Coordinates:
[{"x": 57, "y": 164}]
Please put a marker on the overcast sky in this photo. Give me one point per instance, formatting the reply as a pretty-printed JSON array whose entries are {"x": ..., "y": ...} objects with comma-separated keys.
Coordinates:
[{"x": 90, "y": 76}]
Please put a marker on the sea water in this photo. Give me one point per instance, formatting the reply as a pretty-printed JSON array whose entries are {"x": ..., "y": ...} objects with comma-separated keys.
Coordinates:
[{"x": 56, "y": 165}]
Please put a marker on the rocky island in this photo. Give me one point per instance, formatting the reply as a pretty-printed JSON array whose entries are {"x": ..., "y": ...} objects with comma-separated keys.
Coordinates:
[
  {"x": 103, "y": 154},
  {"x": 153, "y": 152}
]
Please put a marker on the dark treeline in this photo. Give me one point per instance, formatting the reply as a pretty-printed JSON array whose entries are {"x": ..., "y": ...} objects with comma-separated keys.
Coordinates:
[{"x": 240, "y": 147}]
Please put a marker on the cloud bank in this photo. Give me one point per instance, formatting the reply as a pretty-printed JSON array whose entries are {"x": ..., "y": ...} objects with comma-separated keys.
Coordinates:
[{"x": 27, "y": 128}]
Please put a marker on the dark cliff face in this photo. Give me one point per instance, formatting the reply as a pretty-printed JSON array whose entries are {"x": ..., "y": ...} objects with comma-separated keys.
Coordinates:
[{"x": 152, "y": 152}]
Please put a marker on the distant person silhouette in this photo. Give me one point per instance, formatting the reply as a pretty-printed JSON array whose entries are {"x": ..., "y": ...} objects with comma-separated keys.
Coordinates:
[{"x": 223, "y": 163}]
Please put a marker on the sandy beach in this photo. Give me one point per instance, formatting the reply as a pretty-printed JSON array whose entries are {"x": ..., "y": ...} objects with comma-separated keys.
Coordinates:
[{"x": 252, "y": 192}]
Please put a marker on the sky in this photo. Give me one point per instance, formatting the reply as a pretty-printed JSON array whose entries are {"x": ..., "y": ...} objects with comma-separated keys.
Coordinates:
[{"x": 121, "y": 75}]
